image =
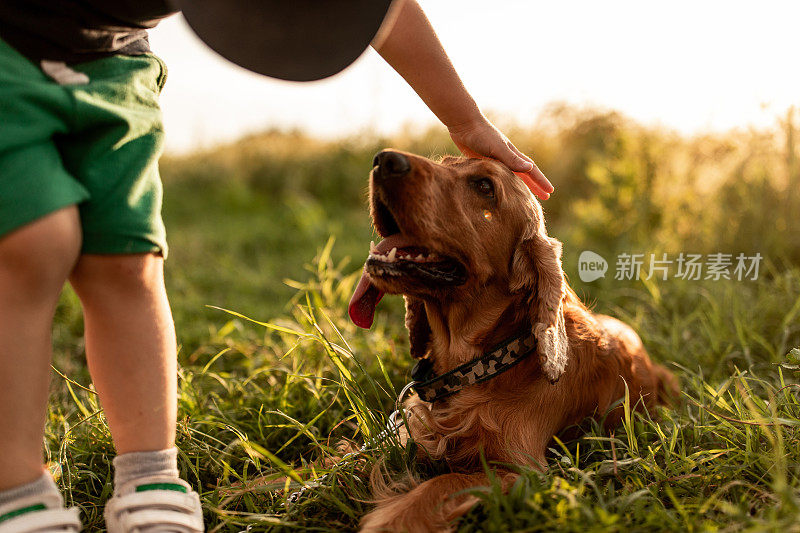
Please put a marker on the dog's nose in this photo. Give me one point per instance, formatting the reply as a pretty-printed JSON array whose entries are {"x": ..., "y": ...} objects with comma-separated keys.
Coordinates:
[{"x": 391, "y": 164}]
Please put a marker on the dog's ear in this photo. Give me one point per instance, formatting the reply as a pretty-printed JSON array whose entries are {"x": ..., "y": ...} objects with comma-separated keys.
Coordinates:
[
  {"x": 536, "y": 269},
  {"x": 419, "y": 331}
]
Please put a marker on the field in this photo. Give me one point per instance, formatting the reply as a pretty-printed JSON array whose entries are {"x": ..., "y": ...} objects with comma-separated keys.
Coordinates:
[{"x": 274, "y": 228}]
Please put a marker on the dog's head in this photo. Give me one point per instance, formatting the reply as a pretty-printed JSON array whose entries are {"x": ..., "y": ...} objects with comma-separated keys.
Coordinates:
[{"x": 451, "y": 229}]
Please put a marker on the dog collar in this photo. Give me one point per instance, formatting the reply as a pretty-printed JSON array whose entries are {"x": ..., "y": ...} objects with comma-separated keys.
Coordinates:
[{"x": 431, "y": 387}]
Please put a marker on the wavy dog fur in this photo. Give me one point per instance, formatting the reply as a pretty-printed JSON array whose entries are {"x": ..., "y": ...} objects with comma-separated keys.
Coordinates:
[{"x": 514, "y": 280}]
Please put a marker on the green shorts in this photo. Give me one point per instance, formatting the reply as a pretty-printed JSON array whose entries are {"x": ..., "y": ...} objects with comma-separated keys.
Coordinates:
[{"x": 93, "y": 144}]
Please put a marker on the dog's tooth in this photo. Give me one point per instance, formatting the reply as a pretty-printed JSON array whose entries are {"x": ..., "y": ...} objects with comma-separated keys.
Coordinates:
[
  {"x": 392, "y": 254},
  {"x": 420, "y": 257}
]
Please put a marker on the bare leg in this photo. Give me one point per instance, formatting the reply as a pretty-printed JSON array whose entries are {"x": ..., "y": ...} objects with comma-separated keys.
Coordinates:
[
  {"x": 35, "y": 261},
  {"x": 130, "y": 347}
]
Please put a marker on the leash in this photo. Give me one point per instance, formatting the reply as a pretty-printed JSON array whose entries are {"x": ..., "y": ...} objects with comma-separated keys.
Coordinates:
[
  {"x": 432, "y": 388},
  {"x": 396, "y": 420}
]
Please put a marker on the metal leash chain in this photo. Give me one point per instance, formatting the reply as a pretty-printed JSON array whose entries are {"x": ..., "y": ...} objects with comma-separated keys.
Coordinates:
[
  {"x": 430, "y": 387},
  {"x": 396, "y": 420}
]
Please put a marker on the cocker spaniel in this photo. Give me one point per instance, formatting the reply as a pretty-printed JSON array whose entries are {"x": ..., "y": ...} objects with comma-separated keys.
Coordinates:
[{"x": 509, "y": 355}]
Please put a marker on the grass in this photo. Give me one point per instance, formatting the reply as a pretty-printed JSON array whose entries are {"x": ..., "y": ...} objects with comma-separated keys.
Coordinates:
[{"x": 263, "y": 403}]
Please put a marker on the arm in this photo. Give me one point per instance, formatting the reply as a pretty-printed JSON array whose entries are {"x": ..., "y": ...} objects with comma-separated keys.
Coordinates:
[{"x": 411, "y": 47}]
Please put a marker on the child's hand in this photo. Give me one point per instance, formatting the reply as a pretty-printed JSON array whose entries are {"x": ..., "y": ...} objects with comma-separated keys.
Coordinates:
[
  {"x": 414, "y": 51},
  {"x": 481, "y": 139}
]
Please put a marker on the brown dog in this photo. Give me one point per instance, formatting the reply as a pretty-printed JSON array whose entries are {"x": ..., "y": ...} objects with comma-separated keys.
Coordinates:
[{"x": 464, "y": 240}]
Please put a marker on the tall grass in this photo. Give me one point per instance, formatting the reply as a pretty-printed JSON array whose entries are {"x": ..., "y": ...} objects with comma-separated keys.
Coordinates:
[
  {"x": 274, "y": 377},
  {"x": 258, "y": 423}
]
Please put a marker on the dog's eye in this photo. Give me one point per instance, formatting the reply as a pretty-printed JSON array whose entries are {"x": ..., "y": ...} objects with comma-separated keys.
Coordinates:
[{"x": 485, "y": 187}]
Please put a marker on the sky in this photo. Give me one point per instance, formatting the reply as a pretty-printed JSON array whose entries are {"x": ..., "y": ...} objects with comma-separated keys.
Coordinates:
[{"x": 693, "y": 66}]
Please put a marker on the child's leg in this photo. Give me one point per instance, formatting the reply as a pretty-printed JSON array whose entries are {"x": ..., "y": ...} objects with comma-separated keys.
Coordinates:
[
  {"x": 35, "y": 261},
  {"x": 130, "y": 346}
]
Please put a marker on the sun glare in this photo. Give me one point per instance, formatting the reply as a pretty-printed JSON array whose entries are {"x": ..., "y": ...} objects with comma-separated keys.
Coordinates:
[{"x": 691, "y": 66}]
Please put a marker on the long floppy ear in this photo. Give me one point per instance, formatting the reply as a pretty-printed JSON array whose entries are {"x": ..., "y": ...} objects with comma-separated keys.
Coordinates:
[
  {"x": 536, "y": 267},
  {"x": 419, "y": 331}
]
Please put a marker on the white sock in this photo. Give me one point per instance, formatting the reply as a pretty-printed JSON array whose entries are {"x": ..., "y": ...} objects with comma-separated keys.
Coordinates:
[
  {"x": 43, "y": 486},
  {"x": 131, "y": 466}
]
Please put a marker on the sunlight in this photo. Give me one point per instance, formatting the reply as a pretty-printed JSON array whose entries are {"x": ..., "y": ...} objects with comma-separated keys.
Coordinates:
[{"x": 690, "y": 66}]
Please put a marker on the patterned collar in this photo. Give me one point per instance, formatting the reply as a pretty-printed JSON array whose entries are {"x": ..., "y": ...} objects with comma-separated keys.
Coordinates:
[{"x": 431, "y": 387}]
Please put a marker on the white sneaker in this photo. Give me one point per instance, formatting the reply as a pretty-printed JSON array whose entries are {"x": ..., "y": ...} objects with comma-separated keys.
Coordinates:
[
  {"x": 39, "y": 514},
  {"x": 154, "y": 504}
]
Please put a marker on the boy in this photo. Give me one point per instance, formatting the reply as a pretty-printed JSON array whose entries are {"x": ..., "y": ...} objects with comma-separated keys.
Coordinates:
[{"x": 80, "y": 198}]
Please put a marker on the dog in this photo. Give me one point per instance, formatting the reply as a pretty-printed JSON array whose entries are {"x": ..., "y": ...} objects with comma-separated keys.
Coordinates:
[{"x": 464, "y": 241}]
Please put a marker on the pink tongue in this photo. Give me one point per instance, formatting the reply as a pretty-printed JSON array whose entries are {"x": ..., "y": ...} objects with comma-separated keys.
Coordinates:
[
  {"x": 363, "y": 302},
  {"x": 366, "y": 296}
]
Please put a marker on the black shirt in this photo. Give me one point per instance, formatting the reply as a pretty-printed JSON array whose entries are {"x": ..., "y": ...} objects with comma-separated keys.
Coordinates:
[{"x": 79, "y": 30}]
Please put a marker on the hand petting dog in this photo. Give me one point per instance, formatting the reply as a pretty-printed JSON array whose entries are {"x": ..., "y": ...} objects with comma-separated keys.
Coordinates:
[
  {"x": 415, "y": 52},
  {"x": 480, "y": 139}
]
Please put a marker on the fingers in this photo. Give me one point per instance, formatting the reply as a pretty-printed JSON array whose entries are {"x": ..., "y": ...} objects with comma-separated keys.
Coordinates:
[
  {"x": 535, "y": 188},
  {"x": 541, "y": 180},
  {"x": 504, "y": 151},
  {"x": 526, "y": 169},
  {"x": 518, "y": 164},
  {"x": 521, "y": 156},
  {"x": 500, "y": 148}
]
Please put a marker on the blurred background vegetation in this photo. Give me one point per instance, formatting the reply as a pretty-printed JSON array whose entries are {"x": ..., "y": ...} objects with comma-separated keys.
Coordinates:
[
  {"x": 252, "y": 227},
  {"x": 244, "y": 217}
]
